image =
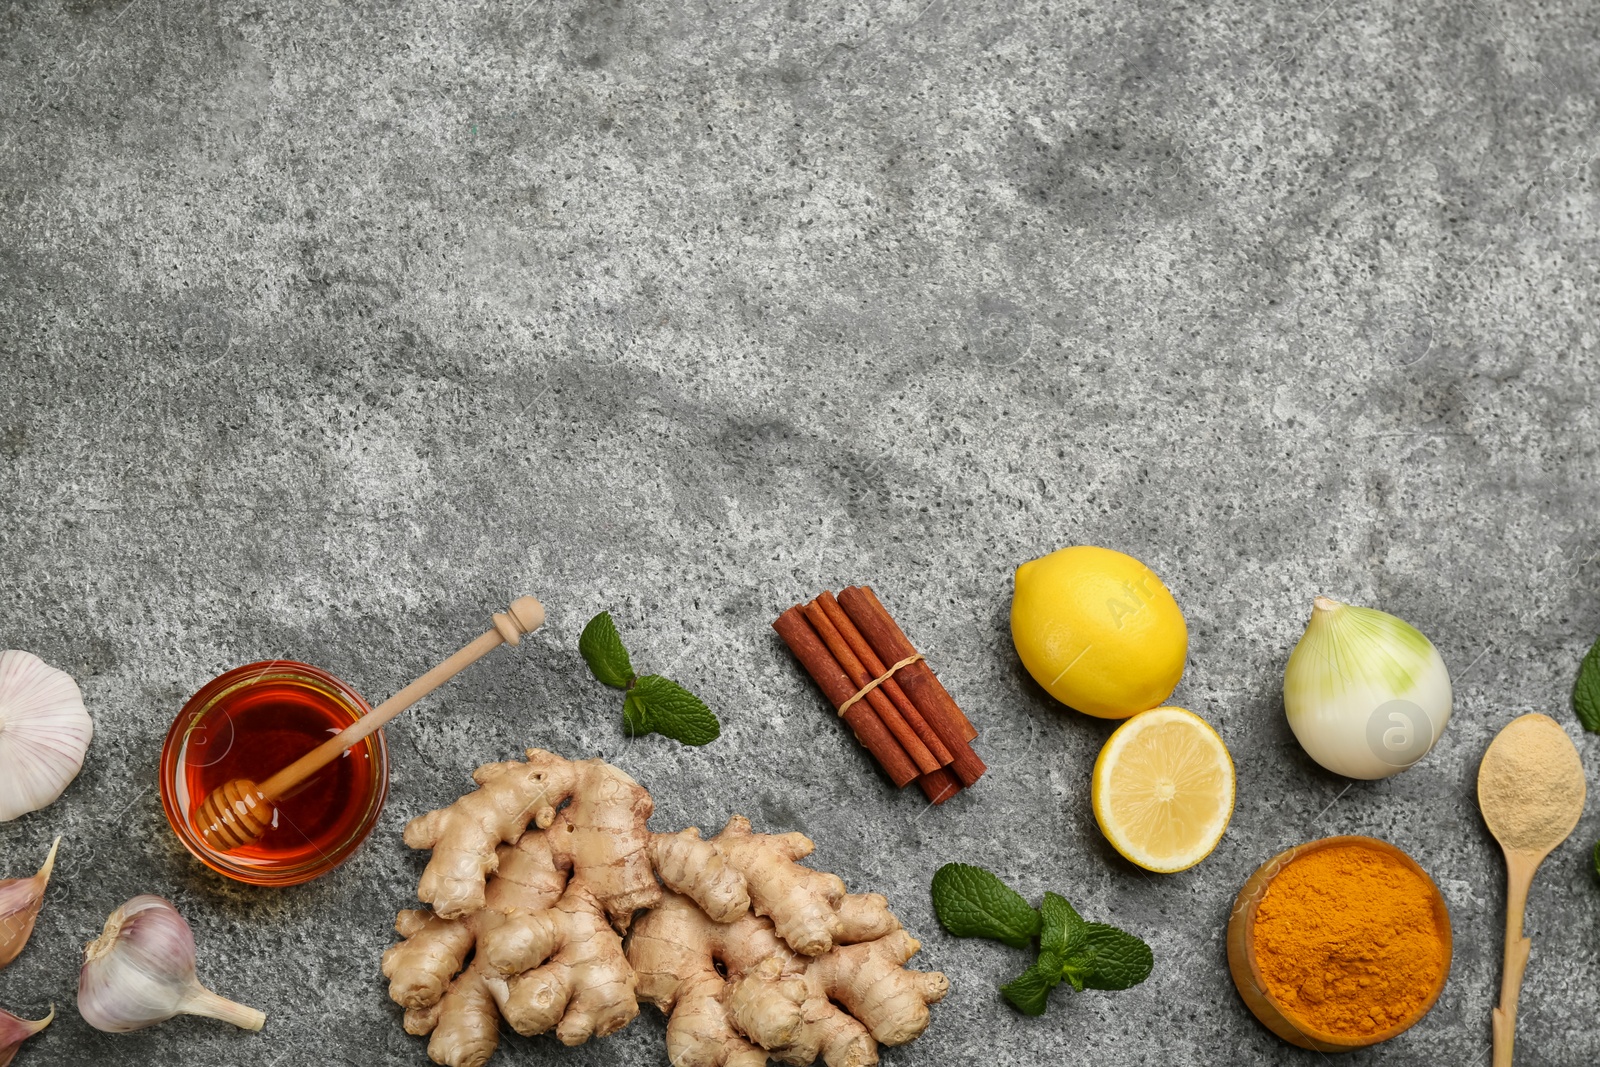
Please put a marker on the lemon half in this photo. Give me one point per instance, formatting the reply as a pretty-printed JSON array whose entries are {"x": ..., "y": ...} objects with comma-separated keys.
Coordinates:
[
  {"x": 1098, "y": 630},
  {"x": 1163, "y": 789}
]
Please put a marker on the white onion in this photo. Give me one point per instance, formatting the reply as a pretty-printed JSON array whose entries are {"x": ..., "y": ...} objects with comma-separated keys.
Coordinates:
[{"x": 1367, "y": 695}]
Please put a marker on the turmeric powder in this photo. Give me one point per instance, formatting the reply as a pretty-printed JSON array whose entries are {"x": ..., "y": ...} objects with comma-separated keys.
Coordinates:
[{"x": 1348, "y": 943}]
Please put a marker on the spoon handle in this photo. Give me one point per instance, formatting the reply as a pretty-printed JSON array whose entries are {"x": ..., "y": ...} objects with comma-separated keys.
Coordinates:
[{"x": 1520, "y": 868}]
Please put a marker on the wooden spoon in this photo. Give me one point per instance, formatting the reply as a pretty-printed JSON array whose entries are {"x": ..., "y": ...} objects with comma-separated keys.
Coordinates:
[
  {"x": 239, "y": 812},
  {"x": 1531, "y": 790}
]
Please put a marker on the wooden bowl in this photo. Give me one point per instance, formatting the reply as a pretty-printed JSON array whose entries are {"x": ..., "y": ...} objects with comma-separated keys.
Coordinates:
[{"x": 1247, "y": 973}]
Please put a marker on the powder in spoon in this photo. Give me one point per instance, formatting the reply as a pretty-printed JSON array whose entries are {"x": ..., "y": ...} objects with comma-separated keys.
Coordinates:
[
  {"x": 1534, "y": 775},
  {"x": 1348, "y": 942}
]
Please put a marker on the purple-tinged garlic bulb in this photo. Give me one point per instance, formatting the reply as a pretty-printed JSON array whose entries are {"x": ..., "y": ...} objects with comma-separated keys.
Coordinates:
[
  {"x": 141, "y": 972},
  {"x": 44, "y": 732}
]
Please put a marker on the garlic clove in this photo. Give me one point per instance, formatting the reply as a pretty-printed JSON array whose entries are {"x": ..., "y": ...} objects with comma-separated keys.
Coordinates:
[
  {"x": 140, "y": 971},
  {"x": 20, "y": 901},
  {"x": 14, "y": 1031},
  {"x": 44, "y": 732}
]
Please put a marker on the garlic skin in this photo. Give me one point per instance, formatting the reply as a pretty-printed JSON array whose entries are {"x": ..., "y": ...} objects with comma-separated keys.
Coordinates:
[
  {"x": 14, "y": 1031},
  {"x": 44, "y": 732},
  {"x": 20, "y": 901},
  {"x": 140, "y": 972},
  {"x": 1367, "y": 695}
]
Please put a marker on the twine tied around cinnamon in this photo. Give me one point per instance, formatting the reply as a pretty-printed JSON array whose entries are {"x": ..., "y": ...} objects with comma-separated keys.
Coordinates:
[{"x": 879, "y": 680}]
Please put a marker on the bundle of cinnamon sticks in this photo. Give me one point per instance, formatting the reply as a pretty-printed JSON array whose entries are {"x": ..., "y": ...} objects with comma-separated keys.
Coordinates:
[{"x": 863, "y": 663}]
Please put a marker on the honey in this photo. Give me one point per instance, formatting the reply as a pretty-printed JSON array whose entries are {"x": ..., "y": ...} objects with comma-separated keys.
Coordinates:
[{"x": 252, "y": 722}]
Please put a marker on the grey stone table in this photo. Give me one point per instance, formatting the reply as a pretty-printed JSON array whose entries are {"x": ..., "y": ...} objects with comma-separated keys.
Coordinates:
[{"x": 326, "y": 328}]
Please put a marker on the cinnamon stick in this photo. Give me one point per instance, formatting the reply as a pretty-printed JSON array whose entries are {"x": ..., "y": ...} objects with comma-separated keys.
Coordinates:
[
  {"x": 893, "y": 645},
  {"x": 887, "y": 713},
  {"x": 940, "y": 785},
  {"x": 830, "y": 678},
  {"x": 875, "y": 668},
  {"x": 917, "y": 680}
]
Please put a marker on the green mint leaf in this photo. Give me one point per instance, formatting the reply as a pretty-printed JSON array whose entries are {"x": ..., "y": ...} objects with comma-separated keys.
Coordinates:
[
  {"x": 1029, "y": 992},
  {"x": 1108, "y": 958},
  {"x": 634, "y": 718},
  {"x": 1586, "y": 693},
  {"x": 972, "y": 902},
  {"x": 672, "y": 711},
  {"x": 602, "y": 649},
  {"x": 1061, "y": 929}
]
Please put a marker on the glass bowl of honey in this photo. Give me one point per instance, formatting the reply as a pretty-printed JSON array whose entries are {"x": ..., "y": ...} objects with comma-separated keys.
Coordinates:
[{"x": 252, "y": 722}]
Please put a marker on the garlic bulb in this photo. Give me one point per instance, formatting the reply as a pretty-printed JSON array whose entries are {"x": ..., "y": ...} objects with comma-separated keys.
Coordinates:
[
  {"x": 141, "y": 972},
  {"x": 20, "y": 901},
  {"x": 44, "y": 733},
  {"x": 14, "y": 1031},
  {"x": 1367, "y": 694}
]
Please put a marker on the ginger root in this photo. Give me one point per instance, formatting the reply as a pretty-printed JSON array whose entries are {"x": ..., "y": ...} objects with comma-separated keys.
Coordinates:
[
  {"x": 773, "y": 998},
  {"x": 810, "y": 909},
  {"x": 600, "y": 835},
  {"x": 565, "y": 969},
  {"x": 538, "y": 874}
]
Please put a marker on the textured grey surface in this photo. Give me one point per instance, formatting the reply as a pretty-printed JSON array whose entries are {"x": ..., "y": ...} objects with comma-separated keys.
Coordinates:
[{"x": 327, "y": 328}]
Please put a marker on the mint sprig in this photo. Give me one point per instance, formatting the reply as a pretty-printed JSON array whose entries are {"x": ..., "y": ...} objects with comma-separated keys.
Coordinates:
[
  {"x": 1586, "y": 692},
  {"x": 653, "y": 704},
  {"x": 973, "y": 902}
]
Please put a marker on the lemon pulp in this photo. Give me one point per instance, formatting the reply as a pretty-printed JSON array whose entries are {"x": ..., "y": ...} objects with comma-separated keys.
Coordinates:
[{"x": 1163, "y": 789}]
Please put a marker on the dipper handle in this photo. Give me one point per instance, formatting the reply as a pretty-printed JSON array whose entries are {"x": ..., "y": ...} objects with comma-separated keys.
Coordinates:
[
  {"x": 524, "y": 616},
  {"x": 1520, "y": 869}
]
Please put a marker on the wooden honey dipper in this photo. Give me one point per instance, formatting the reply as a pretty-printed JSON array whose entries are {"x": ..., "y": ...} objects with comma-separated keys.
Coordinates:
[{"x": 239, "y": 812}]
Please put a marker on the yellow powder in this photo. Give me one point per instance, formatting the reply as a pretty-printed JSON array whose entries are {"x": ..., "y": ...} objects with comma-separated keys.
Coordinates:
[{"x": 1347, "y": 941}]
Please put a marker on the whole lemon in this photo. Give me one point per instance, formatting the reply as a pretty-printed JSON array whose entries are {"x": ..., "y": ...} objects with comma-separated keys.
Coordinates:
[{"x": 1098, "y": 630}]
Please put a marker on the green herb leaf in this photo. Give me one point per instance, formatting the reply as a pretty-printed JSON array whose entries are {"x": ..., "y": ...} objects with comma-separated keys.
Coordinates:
[
  {"x": 602, "y": 649},
  {"x": 1061, "y": 930},
  {"x": 972, "y": 902},
  {"x": 1108, "y": 958},
  {"x": 1586, "y": 693},
  {"x": 1029, "y": 992},
  {"x": 654, "y": 704},
  {"x": 672, "y": 711}
]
